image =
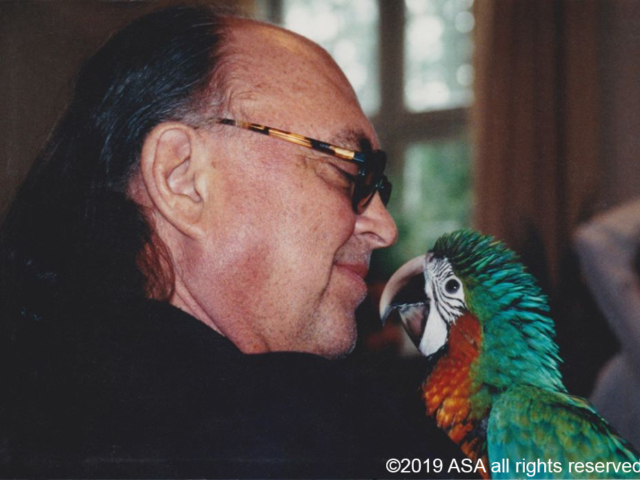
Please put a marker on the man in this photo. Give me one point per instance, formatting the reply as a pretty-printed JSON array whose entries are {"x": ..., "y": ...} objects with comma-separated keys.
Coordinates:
[
  {"x": 165, "y": 233},
  {"x": 268, "y": 224}
]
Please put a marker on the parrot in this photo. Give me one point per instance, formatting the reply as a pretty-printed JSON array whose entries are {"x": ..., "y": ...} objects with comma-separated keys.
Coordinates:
[{"x": 494, "y": 384}]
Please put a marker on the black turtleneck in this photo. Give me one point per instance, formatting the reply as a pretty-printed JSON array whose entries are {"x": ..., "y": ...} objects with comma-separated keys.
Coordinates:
[{"x": 160, "y": 394}]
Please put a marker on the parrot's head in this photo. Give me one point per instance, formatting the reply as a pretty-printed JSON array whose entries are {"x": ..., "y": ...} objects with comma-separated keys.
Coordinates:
[
  {"x": 430, "y": 292},
  {"x": 467, "y": 273}
]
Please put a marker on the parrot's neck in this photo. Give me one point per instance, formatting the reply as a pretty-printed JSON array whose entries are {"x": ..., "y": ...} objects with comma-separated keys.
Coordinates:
[{"x": 449, "y": 389}]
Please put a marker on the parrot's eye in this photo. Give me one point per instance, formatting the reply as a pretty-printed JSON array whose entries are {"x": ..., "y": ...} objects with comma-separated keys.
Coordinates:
[{"x": 452, "y": 286}]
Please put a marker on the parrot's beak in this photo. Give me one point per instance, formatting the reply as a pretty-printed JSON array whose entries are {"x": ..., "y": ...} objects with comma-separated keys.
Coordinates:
[{"x": 405, "y": 296}]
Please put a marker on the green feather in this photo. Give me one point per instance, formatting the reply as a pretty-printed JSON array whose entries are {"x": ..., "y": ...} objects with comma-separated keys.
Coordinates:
[
  {"x": 518, "y": 382},
  {"x": 531, "y": 424}
]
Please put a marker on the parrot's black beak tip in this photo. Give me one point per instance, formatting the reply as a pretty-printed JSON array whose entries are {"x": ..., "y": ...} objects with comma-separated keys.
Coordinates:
[
  {"x": 406, "y": 286},
  {"x": 388, "y": 312}
]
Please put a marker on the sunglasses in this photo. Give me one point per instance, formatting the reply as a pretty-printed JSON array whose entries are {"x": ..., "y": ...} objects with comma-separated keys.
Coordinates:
[{"x": 371, "y": 163}]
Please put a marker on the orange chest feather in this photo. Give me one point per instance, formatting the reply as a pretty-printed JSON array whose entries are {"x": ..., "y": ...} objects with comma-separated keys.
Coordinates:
[{"x": 449, "y": 386}]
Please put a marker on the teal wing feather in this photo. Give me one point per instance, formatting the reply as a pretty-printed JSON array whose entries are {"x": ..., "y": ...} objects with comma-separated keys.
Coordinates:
[{"x": 533, "y": 424}]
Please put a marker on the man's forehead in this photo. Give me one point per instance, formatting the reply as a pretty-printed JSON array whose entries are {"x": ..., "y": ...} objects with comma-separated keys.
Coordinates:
[
  {"x": 283, "y": 80},
  {"x": 254, "y": 36}
]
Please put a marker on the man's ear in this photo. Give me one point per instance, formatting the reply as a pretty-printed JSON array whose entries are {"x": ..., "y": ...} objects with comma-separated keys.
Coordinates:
[{"x": 170, "y": 166}]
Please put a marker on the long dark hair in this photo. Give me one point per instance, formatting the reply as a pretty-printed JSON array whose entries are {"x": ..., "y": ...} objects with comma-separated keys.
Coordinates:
[
  {"x": 77, "y": 255},
  {"x": 72, "y": 235}
]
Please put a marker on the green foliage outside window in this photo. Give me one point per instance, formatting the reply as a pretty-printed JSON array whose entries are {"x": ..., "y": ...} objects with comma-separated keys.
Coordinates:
[{"x": 432, "y": 196}]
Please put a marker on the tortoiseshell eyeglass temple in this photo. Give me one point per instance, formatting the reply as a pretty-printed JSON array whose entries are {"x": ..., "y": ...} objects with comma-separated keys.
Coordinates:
[{"x": 371, "y": 165}]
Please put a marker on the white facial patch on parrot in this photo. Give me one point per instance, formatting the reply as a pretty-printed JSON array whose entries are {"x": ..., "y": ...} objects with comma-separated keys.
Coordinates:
[
  {"x": 446, "y": 301},
  {"x": 435, "y": 334}
]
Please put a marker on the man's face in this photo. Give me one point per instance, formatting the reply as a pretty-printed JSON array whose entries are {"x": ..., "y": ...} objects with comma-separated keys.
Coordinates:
[{"x": 283, "y": 263}]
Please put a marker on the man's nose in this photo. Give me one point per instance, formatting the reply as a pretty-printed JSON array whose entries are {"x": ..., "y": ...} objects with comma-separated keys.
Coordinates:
[{"x": 377, "y": 225}]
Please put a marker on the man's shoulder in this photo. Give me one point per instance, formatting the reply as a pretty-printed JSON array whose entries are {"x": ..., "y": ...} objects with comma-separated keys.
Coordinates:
[
  {"x": 168, "y": 396},
  {"x": 290, "y": 413},
  {"x": 285, "y": 413}
]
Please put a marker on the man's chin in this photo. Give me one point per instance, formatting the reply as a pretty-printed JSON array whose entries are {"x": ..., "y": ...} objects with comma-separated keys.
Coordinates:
[{"x": 340, "y": 346}]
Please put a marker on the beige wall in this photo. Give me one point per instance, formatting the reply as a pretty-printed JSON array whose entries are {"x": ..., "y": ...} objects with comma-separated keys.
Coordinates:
[{"x": 42, "y": 44}]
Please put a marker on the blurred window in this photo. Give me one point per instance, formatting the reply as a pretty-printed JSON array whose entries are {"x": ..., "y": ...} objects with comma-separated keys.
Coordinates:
[
  {"x": 348, "y": 30},
  {"x": 433, "y": 194},
  {"x": 438, "y": 71}
]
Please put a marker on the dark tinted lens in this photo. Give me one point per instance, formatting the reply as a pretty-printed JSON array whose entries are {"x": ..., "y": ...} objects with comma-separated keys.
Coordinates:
[
  {"x": 361, "y": 195},
  {"x": 384, "y": 189},
  {"x": 371, "y": 180}
]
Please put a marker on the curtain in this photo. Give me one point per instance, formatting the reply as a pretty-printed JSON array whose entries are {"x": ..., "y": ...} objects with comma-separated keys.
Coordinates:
[
  {"x": 536, "y": 127},
  {"x": 536, "y": 123}
]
